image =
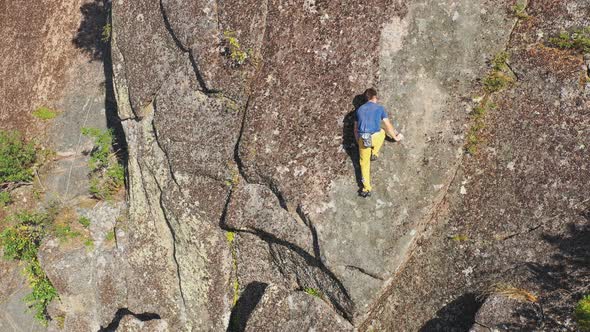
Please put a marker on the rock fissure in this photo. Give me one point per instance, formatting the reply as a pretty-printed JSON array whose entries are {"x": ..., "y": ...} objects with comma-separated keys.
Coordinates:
[
  {"x": 174, "y": 239},
  {"x": 361, "y": 270},
  {"x": 314, "y": 234},
  {"x": 237, "y": 158},
  {"x": 186, "y": 50},
  {"x": 345, "y": 309},
  {"x": 122, "y": 312},
  {"x": 164, "y": 151}
]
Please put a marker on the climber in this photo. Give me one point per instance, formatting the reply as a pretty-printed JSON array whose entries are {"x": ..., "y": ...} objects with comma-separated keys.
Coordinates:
[{"x": 370, "y": 127}]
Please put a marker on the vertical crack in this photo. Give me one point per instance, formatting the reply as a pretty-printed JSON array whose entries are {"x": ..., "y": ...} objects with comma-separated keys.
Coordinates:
[
  {"x": 174, "y": 239},
  {"x": 314, "y": 234},
  {"x": 164, "y": 151},
  {"x": 192, "y": 59}
]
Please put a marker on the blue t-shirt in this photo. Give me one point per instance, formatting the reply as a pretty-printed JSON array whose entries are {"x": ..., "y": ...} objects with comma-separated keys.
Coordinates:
[{"x": 369, "y": 117}]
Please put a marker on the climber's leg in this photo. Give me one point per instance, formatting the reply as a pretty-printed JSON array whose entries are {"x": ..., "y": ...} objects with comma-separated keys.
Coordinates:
[
  {"x": 365, "y": 161},
  {"x": 378, "y": 140}
]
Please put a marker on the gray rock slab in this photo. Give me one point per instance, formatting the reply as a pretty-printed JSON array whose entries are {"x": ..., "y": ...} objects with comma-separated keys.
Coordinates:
[
  {"x": 294, "y": 311},
  {"x": 429, "y": 60},
  {"x": 14, "y": 313}
]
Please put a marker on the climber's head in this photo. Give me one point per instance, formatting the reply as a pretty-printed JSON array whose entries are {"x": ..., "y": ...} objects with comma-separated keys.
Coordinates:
[{"x": 371, "y": 94}]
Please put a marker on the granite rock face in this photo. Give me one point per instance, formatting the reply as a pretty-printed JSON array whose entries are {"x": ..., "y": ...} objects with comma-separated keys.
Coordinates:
[
  {"x": 517, "y": 211},
  {"x": 501, "y": 313},
  {"x": 241, "y": 164}
]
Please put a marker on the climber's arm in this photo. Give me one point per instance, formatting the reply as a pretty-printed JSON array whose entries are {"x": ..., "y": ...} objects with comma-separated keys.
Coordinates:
[{"x": 389, "y": 131}]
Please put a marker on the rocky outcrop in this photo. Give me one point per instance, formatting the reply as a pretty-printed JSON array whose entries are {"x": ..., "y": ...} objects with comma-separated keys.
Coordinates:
[
  {"x": 237, "y": 117},
  {"x": 242, "y": 170}
]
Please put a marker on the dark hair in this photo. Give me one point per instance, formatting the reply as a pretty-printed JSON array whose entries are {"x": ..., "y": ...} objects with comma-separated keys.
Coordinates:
[{"x": 370, "y": 93}]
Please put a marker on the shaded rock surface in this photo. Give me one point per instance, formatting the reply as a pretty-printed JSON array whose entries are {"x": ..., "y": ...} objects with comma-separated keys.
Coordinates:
[{"x": 505, "y": 314}]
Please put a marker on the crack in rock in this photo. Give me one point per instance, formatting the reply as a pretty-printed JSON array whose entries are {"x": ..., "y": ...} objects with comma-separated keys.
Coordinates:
[
  {"x": 174, "y": 239},
  {"x": 121, "y": 313},
  {"x": 191, "y": 56},
  {"x": 361, "y": 270}
]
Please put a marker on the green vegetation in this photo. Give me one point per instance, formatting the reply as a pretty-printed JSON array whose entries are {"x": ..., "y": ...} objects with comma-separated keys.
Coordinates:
[
  {"x": 519, "y": 10},
  {"x": 89, "y": 244},
  {"x": 106, "y": 33},
  {"x": 578, "y": 39},
  {"x": 500, "y": 76},
  {"x": 84, "y": 221},
  {"x": 231, "y": 237},
  {"x": 460, "y": 238},
  {"x": 21, "y": 242},
  {"x": 110, "y": 236},
  {"x": 500, "y": 61},
  {"x": 65, "y": 233},
  {"x": 61, "y": 321},
  {"x": 16, "y": 158},
  {"x": 233, "y": 177},
  {"x": 582, "y": 313},
  {"x": 233, "y": 49},
  {"x": 5, "y": 198},
  {"x": 478, "y": 116},
  {"x": 313, "y": 292},
  {"x": 44, "y": 113},
  {"x": 107, "y": 175}
]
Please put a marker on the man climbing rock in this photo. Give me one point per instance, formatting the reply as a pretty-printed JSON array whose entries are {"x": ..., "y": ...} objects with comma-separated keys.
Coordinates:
[{"x": 370, "y": 127}]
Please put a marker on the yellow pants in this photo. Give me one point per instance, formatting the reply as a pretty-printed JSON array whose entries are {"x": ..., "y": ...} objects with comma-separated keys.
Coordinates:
[{"x": 365, "y": 157}]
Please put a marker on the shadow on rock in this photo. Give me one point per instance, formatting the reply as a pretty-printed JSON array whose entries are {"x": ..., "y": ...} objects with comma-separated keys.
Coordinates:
[
  {"x": 349, "y": 141},
  {"x": 246, "y": 304},
  {"x": 121, "y": 313},
  {"x": 94, "y": 39},
  {"x": 90, "y": 33},
  {"x": 299, "y": 266},
  {"x": 564, "y": 282},
  {"x": 459, "y": 315}
]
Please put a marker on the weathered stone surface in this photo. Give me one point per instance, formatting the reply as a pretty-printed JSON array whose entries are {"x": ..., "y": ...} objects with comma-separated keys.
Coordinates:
[
  {"x": 293, "y": 311},
  {"x": 37, "y": 51},
  {"x": 258, "y": 148},
  {"x": 500, "y": 313},
  {"x": 88, "y": 279},
  {"x": 13, "y": 310},
  {"x": 520, "y": 203}
]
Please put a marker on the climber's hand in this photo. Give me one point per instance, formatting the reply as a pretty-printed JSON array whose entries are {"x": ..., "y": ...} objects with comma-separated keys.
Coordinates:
[{"x": 398, "y": 137}]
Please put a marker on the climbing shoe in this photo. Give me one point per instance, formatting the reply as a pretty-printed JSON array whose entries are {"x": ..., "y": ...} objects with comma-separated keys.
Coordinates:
[{"x": 365, "y": 194}]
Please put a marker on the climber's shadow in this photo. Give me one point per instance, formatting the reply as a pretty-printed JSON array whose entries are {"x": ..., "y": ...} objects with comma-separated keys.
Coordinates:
[{"x": 348, "y": 140}]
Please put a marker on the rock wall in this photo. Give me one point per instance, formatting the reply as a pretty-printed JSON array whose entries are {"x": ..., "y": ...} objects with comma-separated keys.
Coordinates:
[
  {"x": 242, "y": 173},
  {"x": 517, "y": 212},
  {"x": 36, "y": 52}
]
